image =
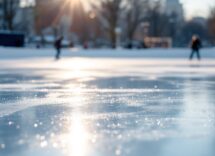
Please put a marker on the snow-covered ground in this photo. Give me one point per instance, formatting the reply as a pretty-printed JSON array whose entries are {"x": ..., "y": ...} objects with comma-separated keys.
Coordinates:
[
  {"x": 10, "y": 53},
  {"x": 106, "y": 103}
]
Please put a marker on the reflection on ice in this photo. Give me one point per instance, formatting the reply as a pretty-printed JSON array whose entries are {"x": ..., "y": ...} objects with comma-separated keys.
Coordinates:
[
  {"x": 198, "y": 110},
  {"x": 90, "y": 107},
  {"x": 74, "y": 139}
]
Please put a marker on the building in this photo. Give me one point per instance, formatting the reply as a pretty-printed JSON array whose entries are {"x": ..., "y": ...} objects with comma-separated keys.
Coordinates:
[
  {"x": 24, "y": 20},
  {"x": 174, "y": 8},
  {"x": 158, "y": 42},
  {"x": 200, "y": 20}
]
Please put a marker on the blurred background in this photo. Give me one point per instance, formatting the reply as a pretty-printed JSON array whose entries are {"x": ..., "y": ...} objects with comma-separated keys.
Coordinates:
[{"x": 106, "y": 23}]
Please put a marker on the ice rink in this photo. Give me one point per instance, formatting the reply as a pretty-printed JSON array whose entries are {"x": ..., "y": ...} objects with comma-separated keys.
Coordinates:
[{"x": 107, "y": 106}]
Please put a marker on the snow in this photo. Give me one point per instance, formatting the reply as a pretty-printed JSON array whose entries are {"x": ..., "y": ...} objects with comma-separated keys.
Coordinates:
[
  {"x": 103, "y": 103},
  {"x": 10, "y": 53}
]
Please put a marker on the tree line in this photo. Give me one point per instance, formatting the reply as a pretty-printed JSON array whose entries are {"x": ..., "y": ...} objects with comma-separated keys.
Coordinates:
[{"x": 107, "y": 18}]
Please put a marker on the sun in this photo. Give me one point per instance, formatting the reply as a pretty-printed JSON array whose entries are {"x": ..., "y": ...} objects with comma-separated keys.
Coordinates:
[
  {"x": 74, "y": 5},
  {"x": 26, "y": 3},
  {"x": 78, "y": 3}
]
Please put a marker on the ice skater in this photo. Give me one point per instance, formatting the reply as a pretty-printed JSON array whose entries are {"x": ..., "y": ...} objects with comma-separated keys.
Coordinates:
[
  {"x": 58, "y": 46},
  {"x": 195, "y": 47}
]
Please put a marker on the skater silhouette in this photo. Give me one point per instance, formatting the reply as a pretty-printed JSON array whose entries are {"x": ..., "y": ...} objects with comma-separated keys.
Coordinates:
[
  {"x": 58, "y": 46},
  {"x": 195, "y": 47}
]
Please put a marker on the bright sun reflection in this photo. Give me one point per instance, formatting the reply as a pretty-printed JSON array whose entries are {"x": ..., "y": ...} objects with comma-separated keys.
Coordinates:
[
  {"x": 78, "y": 137},
  {"x": 75, "y": 140},
  {"x": 77, "y": 69},
  {"x": 75, "y": 137}
]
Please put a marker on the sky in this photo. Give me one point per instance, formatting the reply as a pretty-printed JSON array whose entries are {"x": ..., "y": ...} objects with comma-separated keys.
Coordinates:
[
  {"x": 197, "y": 7},
  {"x": 192, "y": 7}
]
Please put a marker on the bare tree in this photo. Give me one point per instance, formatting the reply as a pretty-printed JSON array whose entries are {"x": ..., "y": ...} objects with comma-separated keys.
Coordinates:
[
  {"x": 192, "y": 27},
  {"x": 161, "y": 24},
  {"x": 10, "y": 8},
  {"x": 135, "y": 14},
  {"x": 156, "y": 19},
  {"x": 211, "y": 24},
  {"x": 109, "y": 13}
]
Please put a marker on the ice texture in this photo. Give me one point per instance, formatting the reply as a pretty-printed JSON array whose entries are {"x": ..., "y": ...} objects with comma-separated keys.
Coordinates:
[{"x": 106, "y": 107}]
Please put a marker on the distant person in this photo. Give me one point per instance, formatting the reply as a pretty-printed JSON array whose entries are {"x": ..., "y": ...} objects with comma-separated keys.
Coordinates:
[
  {"x": 85, "y": 45},
  {"x": 142, "y": 45},
  {"x": 38, "y": 46},
  {"x": 58, "y": 46},
  {"x": 129, "y": 45},
  {"x": 71, "y": 45},
  {"x": 195, "y": 46}
]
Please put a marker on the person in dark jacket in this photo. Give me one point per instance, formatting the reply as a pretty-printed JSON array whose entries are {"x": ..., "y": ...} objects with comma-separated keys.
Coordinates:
[
  {"x": 58, "y": 46},
  {"x": 195, "y": 46}
]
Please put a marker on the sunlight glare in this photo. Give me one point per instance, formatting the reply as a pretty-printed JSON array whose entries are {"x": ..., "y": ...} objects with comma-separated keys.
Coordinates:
[
  {"x": 75, "y": 140},
  {"x": 78, "y": 137}
]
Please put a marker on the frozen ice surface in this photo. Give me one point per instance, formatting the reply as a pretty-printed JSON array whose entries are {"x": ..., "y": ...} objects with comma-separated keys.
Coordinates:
[{"x": 107, "y": 107}]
